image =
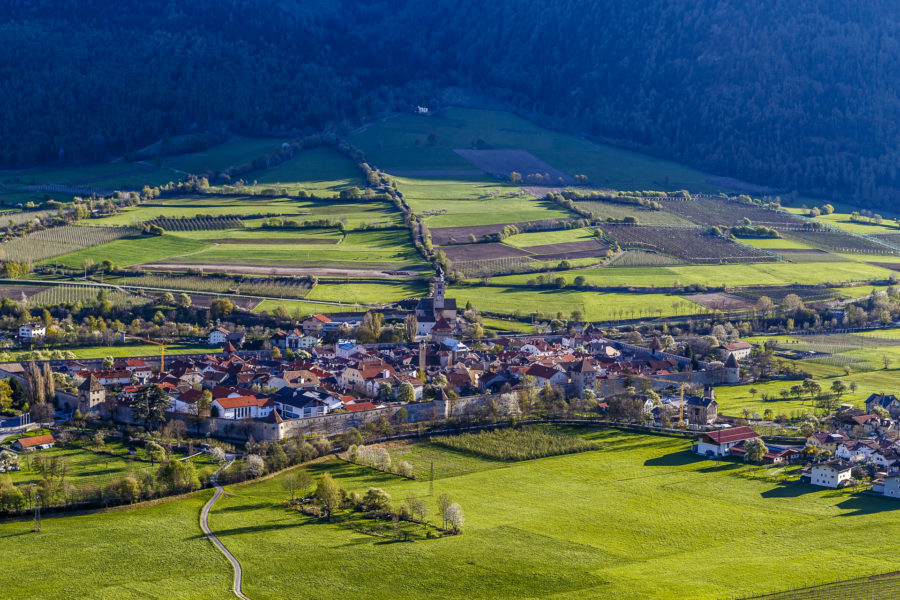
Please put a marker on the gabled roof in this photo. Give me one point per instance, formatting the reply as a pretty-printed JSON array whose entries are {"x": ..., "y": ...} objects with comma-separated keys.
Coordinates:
[
  {"x": 360, "y": 406},
  {"x": 37, "y": 440},
  {"x": 731, "y": 362},
  {"x": 727, "y": 436},
  {"x": 273, "y": 417},
  {"x": 91, "y": 384},
  {"x": 240, "y": 401}
]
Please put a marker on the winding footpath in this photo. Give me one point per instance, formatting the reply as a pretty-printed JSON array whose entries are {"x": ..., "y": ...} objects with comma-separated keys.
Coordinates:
[{"x": 204, "y": 514}]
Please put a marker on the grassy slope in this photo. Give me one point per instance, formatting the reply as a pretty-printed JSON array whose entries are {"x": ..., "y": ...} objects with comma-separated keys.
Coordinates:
[
  {"x": 475, "y": 202},
  {"x": 391, "y": 144},
  {"x": 588, "y": 525},
  {"x": 137, "y": 350},
  {"x": 320, "y": 170},
  {"x": 541, "y": 238},
  {"x": 132, "y": 251},
  {"x": 366, "y": 293},
  {"x": 154, "y": 552}
]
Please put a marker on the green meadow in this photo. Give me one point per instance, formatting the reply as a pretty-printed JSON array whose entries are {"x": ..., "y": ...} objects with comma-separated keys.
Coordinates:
[
  {"x": 586, "y": 525},
  {"x": 131, "y": 251}
]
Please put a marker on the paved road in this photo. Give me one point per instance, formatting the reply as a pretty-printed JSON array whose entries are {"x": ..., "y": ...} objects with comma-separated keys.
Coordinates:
[{"x": 204, "y": 514}]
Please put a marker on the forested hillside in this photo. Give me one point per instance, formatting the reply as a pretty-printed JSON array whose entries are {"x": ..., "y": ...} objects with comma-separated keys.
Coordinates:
[{"x": 796, "y": 94}]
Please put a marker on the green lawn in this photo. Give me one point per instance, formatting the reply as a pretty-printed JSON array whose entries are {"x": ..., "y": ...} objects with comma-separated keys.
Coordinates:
[
  {"x": 401, "y": 144},
  {"x": 153, "y": 552},
  {"x": 729, "y": 275},
  {"x": 589, "y": 525},
  {"x": 134, "y": 350},
  {"x": 301, "y": 309},
  {"x": 132, "y": 251},
  {"x": 605, "y": 210}
]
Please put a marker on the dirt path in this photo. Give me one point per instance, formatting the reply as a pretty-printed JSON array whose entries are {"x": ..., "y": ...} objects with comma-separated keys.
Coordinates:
[{"x": 204, "y": 514}]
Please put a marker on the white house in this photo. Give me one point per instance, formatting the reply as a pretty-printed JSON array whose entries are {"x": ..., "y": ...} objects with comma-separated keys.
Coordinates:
[
  {"x": 543, "y": 375},
  {"x": 242, "y": 407},
  {"x": 218, "y": 336},
  {"x": 855, "y": 451},
  {"x": 830, "y": 474},
  {"x": 891, "y": 487},
  {"x": 30, "y": 331},
  {"x": 739, "y": 350},
  {"x": 718, "y": 443},
  {"x": 309, "y": 341}
]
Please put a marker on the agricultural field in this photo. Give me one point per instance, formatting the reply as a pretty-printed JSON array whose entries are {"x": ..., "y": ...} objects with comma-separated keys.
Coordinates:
[
  {"x": 127, "y": 350},
  {"x": 401, "y": 145},
  {"x": 300, "y": 309},
  {"x": 712, "y": 210},
  {"x": 56, "y": 241},
  {"x": 841, "y": 242},
  {"x": 70, "y": 294},
  {"x": 642, "y": 258},
  {"x": 443, "y": 236},
  {"x": 320, "y": 171},
  {"x": 236, "y": 151},
  {"x": 541, "y": 238},
  {"x": 132, "y": 251},
  {"x": 674, "y": 499},
  {"x": 611, "y": 210},
  {"x": 122, "y": 553},
  {"x": 691, "y": 244},
  {"x": 775, "y": 244},
  {"x": 367, "y": 293},
  {"x": 729, "y": 275},
  {"x": 500, "y": 163},
  {"x": 461, "y": 203},
  {"x": 255, "y": 207},
  {"x": 598, "y": 306},
  {"x": 380, "y": 249}
]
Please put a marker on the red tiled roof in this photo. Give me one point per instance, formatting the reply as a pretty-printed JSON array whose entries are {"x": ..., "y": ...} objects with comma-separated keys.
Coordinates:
[
  {"x": 360, "y": 406},
  {"x": 726, "y": 436},
  {"x": 37, "y": 440},
  {"x": 239, "y": 401}
]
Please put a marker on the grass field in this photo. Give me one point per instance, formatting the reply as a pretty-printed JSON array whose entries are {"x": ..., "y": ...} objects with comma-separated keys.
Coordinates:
[
  {"x": 540, "y": 238},
  {"x": 640, "y": 505},
  {"x": 593, "y": 305},
  {"x": 474, "y": 202},
  {"x": 364, "y": 249},
  {"x": 136, "y": 350},
  {"x": 321, "y": 170},
  {"x": 606, "y": 210},
  {"x": 153, "y": 552},
  {"x": 729, "y": 275},
  {"x": 367, "y": 293},
  {"x": 240, "y": 205},
  {"x": 132, "y": 251},
  {"x": 401, "y": 144},
  {"x": 236, "y": 151},
  {"x": 302, "y": 309}
]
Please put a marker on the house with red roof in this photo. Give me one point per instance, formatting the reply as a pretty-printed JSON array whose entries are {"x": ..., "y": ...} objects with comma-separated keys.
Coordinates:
[
  {"x": 36, "y": 442},
  {"x": 242, "y": 407},
  {"x": 719, "y": 443}
]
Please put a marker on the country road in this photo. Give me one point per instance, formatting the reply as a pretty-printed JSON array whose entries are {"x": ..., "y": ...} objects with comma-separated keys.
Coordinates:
[{"x": 204, "y": 514}]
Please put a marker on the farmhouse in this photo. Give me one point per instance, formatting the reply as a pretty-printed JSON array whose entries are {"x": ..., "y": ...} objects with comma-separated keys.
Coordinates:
[
  {"x": 719, "y": 443},
  {"x": 890, "y": 487},
  {"x": 37, "y": 442},
  {"x": 218, "y": 336},
  {"x": 831, "y": 474},
  {"x": 30, "y": 331},
  {"x": 739, "y": 350},
  {"x": 314, "y": 323}
]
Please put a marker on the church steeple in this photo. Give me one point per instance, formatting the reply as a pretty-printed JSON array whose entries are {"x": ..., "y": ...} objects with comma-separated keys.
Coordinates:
[{"x": 438, "y": 294}]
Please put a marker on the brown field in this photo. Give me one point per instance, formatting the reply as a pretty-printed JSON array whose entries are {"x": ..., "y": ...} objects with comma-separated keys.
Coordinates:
[
  {"x": 891, "y": 266},
  {"x": 275, "y": 241},
  {"x": 720, "y": 301},
  {"x": 15, "y": 292},
  {"x": 500, "y": 163},
  {"x": 444, "y": 236},
  {"x": 482, "y": 251},
  {"x": 568, "y": 250}
]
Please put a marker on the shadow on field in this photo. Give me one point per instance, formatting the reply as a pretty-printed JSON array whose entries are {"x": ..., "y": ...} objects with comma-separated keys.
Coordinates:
[
  {"x": 720, "y": 468},
  {"x": 244, "y": 507},
  {"x": 865, "y": 505},
  {"x": 248, "y": 529},
  {"x": 674, "y": 459},
  {"x": 787, "y": 489}
]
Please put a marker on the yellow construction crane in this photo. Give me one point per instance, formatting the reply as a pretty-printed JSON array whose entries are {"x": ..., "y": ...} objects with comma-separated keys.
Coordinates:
[{"x": 162, "y": 349}]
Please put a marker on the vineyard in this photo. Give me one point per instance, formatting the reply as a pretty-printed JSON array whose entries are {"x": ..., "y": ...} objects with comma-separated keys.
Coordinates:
[
  {"x": 281, "y": 287},
  {"x": 488, "y": 267},
  {"x": 607, "y": 210},
  {"x": 515, "y": 444},
  {"x": 643, "y": 258},
  {"x": 711, "y": 210},
  {"x": 198, "y": 223},
  {"x": 70, "y": 294},
  {"x": 843, "y": 242},
  {"x": 57, "y": 241},
  {"x": 692, "y": 244}
]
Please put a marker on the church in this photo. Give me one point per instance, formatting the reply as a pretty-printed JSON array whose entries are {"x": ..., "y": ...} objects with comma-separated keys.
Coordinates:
[{"x": 436, "y": 307}]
